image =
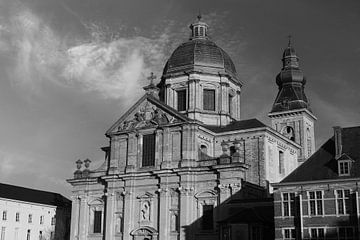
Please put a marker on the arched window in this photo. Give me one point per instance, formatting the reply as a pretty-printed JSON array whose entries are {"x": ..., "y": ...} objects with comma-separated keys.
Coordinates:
[
  {"x": 289, "y": 132},
  {"x": 203, "y": 149}
]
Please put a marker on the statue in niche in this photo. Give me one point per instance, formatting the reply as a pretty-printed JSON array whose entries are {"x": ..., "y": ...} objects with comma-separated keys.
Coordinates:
[
  {"x": 174, "y": 222},
  {"x": 145, "y": 211}
]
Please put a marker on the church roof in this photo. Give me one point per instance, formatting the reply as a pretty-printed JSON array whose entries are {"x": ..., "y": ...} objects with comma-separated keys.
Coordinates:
[
  {"x": 32, "y": 195},
  {"x": 322, "y": 165},
  {"x": 201, "y": 55},
  {"x": 237, "y": 125}
]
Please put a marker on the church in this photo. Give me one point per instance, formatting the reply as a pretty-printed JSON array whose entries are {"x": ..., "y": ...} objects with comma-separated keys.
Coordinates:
[{"x": 181, "y": 161}]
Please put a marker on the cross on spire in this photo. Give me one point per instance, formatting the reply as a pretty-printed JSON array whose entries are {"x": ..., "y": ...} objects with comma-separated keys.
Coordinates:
[
  {"x": 199, "y": 15},
  {"x": 152, "y": 77},
  {"x": 289, "y": 37}
]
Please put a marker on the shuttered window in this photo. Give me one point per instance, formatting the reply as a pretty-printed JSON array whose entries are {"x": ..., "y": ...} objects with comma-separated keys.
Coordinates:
[
  {"x": 148, "y": 156},
  {"x": 181, "y": 100},
  {"x": 97, "y": 221},
  {"x": 209, "y": 99}
]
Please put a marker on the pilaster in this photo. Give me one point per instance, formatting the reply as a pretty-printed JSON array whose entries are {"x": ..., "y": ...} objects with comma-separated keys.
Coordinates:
[
  {"x": 74, "y": 229},
  {"x": 110, "y": 209},
  {"x": 83, "y": 223}
]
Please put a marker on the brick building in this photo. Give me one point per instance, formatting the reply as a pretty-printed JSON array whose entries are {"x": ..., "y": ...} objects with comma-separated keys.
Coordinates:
[
  {"x": 181, "y": 161},
  {"x": 320, "y": 199}
]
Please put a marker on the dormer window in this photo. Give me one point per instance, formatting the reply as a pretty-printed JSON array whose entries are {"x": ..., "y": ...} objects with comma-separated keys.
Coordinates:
[{"x": 344, "y": 167}]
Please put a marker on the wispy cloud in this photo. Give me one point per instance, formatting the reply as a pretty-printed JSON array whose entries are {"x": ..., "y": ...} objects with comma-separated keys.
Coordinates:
[{"x": 114, "y": 67}]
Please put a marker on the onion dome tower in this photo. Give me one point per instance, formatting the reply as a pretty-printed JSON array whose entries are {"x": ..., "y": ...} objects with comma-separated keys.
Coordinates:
[
  {"x": 291, "y": 114},
  {"x": 200, "y": 80}
]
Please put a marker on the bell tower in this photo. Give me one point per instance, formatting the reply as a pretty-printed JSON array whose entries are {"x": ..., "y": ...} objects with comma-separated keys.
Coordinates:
[{"x": 291, "y": 114}]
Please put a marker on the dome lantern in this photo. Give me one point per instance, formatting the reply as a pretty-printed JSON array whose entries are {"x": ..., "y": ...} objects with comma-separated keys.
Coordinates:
[{"x": 199, "y": 29}]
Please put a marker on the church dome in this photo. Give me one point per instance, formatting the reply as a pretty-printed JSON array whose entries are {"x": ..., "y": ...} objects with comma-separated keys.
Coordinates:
[{"x": 200, "y": 54}]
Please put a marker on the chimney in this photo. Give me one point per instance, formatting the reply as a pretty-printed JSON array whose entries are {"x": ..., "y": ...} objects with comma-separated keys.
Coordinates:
[{"x": 338, "y": 141}]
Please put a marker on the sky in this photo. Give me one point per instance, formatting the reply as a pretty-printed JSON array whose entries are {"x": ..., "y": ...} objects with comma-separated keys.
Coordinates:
[{"x": 70, "y": 68}]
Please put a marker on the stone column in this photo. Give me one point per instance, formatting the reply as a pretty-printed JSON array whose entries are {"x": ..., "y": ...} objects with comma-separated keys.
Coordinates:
[
  {"x": 132, "y": 152},
  {"x": 110, "y": 209},
  {"x": 74, "y": 229},
  {"x": 186, "y": 212},
  {"x": 164, "y": 213},
  {"x": 238, "y": 105},
  {"x": 158, "y": 147},
  {"x": 129, "y": 214},
  {"x": 114, "y": 155},
  {"x": 189, "y": 146},
  {"x": 83, "y": 218},
  {"x": 166, "y": 158},
  {"x": 123, "y": 145},
  {"x": 191, "y": 95}
]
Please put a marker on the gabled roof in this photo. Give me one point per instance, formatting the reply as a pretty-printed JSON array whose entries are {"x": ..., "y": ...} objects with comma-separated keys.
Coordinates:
[
  {"x": 323, "y": 165},
  {"x": 32, "y": 195},
  {"x": 148, "y": 97},
  {"x": 236, "y": 125}
]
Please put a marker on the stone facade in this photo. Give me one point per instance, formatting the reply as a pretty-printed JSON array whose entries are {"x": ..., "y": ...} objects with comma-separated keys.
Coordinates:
[{"x": 172, "y": 170}]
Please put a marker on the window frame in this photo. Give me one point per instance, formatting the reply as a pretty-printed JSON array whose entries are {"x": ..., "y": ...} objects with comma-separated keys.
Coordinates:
[
  {"x": 281, "y": 162},
  {"x": 317, "y": 237},
  {"x": 292, "y": 233},
  {"x": 4, "y": 215},
  {"x": 204, "y": 225},
  {"x": 17, "y": 217},
  {"x": 343, "y": 162},
  {"x": 208, "y": 90},
  {"x": 185, "y": 107},
  {"x": 342, "y": 201},
  {"x": 30, "y": 218},
  {"x": 290, "y": 204},
  {"x": 316, "y": 201},
  {"x": 146, "y": 160}
]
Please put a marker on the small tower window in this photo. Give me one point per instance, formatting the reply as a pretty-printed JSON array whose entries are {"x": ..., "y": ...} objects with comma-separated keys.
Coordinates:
[
  {"x": 203, "y": 149},
  {"x": 181, "y": 100},
  {"x": 209, "y": 99},
  {"x": 308, "y": 142}
]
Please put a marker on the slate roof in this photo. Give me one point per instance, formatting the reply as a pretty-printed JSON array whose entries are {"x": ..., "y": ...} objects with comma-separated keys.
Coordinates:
[
  {"x": 237, "y": 125},
  {"x": 322, "y": 165},
  {"x": 200, "y": 55},
  {"x": 32, "y": 195}
]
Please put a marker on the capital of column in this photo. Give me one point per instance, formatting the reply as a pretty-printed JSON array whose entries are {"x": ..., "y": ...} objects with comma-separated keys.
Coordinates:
[{"x": 186, "y": 191}]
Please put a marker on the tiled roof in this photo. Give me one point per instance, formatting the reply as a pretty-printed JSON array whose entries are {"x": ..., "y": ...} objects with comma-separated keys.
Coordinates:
[
  {"x": 322, "y": 165},
  {"x": 31, "y": 195},
  {"x": 237, "y": 125}
]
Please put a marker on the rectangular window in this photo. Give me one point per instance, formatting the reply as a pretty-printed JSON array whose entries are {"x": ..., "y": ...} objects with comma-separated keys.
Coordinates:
[
  {"x": 3, "y": 233},
  {"x": 53, "y": 221},
  {"x": 97, "y": 221},
  {"x": 209, "y": 99},
  {"x": 289, "y": 233},
  {"x": 288, "y": 201},
  {"x": 4, "y": 216},
  {"x": 17, "y": 217},
  {"x": 316, "y": 202},
  {"x": 317, "y": 233},
  {"x": 40, "y": 235},
  {"x": 30, "y": 218},
  {"x": 28, "y": 235},
  {"x": 148, "y": 155},
  {"x": 181, "y": 100},
  {"x": 346, "y": 233},
  {"x": 208, "y": 217},
  {"x": 41, "y": 219},
  {"x": 281, "y": 162},
  {"x": 343, "y": 201},
  {"x": 344, "y": 168},
  {"x": 230, "y": 104}
]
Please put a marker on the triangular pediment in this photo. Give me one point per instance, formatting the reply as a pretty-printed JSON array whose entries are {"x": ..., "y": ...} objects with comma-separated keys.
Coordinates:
[{"x": 148, "y": 112}]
